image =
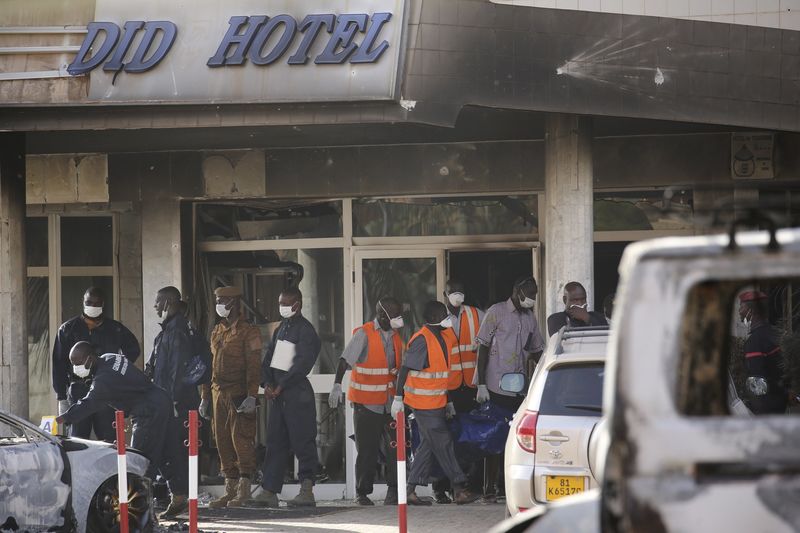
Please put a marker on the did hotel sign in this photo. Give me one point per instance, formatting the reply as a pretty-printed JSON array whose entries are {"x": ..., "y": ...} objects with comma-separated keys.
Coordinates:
[{"x": 242, "y": 50}]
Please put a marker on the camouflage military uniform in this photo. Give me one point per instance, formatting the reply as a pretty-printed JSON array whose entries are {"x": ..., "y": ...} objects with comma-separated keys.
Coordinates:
[{"x": 236, "y": 372}]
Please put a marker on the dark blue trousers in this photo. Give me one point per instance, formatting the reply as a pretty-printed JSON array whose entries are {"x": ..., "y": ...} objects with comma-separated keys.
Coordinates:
[{"x": 291, "y": 429}]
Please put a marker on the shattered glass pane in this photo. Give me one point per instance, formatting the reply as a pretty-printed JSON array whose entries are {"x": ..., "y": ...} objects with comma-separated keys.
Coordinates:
[
  {"x": 413, "y": 217},
  {"x": 669, "y": 209},
  {"x": 269, "y": 220}
]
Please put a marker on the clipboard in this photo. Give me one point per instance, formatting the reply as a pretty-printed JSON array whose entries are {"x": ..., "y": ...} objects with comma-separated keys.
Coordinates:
[{"x": 283, "y": 356}]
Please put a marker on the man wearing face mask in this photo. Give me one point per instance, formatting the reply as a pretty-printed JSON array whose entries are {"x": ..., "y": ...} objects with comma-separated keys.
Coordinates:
[
  {"x": 510, "y": 342},
  {"x": 422, "y": 385},
  {"x": 118, "y": 384},
  {"x": 374, "y": 353},
  {"x": 107, "y": 336},
  {"x": 292, "y": 424},
  {"x": 463, "y": 362},
  {"x": 575, "y": 313},
  {"x": 172, "y": 350},
  {"x": 235, "y": 352}
]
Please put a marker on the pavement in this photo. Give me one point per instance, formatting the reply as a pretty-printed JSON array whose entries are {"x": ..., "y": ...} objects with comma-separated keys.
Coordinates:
[{"x": 340, "y": 516}]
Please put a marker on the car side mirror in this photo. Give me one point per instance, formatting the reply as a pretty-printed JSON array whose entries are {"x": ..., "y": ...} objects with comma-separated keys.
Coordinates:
[{"x": 513, "y": 383}]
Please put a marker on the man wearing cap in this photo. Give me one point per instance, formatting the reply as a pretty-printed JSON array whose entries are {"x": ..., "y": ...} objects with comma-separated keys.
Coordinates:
[
  {"x": 374, "y": 353},
  {"x": 763, "y": 361},
  {"x": 510, "y": 342},
  {"x": 235, "y": 376}
]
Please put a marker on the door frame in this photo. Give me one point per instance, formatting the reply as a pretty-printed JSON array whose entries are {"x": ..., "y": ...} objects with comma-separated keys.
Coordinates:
[{"x": 436, "y": 248}]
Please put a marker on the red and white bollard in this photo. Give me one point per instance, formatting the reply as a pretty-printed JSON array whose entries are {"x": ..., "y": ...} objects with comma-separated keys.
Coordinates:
[
  {"x": 193, "y": 425},
  {"x": 402, "y": 515},
  {"x": 122, "y": 471}
]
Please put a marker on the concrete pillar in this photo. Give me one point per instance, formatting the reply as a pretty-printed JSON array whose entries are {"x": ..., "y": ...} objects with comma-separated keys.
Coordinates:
[
  {"x": 568, "y": 217},
  {"x": 13, "y": 277},
  {"x": 161, "y": 259}
]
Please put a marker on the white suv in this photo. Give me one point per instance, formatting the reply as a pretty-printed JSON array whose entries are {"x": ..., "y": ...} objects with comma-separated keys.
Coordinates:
[{"x": 547, "y": 450}]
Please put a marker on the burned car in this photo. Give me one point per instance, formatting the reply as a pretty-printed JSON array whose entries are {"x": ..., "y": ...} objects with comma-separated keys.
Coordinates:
[
  {"x": 50, "y": 483},
  {"x": 702, "y": 325}
]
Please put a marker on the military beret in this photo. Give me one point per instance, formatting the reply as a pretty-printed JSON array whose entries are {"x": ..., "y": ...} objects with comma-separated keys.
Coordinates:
[
  {"x": 751, "y": 296},
  {"x": 231, "y": 291}
]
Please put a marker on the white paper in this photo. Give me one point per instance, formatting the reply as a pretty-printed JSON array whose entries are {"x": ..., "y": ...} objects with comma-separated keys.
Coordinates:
[{"x": 283, "y": 356}]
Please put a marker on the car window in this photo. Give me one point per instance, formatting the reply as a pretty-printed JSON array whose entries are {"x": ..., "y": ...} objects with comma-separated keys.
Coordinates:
[
  {"x": 11, "y": 434},
  {"x": 573, "y": 390},
  {"x": 740, "y": 349}
]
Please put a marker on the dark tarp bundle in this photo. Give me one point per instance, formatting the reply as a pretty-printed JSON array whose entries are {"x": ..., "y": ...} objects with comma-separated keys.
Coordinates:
[{"x": 477, "y": 434}]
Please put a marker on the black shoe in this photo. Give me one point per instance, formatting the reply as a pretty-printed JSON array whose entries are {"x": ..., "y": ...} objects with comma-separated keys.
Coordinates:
[
  {"x": 391, "y": 497},
  {"x": 362, "y": 499},
  {"x": 441, "y": 497},
  {"x": 413, "y": 499},
  {"x": 464, "y": 497}
]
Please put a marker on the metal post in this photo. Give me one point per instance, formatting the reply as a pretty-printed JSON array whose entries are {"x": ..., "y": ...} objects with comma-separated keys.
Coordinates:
[
  {"x": 402, "y": 515},
  {"x": 122, "y": 472},
  {"x": 193, "y": 424}
]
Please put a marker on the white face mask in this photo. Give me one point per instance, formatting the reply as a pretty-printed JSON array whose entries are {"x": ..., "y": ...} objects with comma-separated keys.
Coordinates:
[
  {"x": 80, "y": 371},
  {"x": 446, "y": 323},
  {"x": 286, "y": 311},
  {"x": 527, "y": 303},
  {"x": 223, "y": 311},
  {"x": 92, "y": 312},
  {"x": 584, "y": 306},
  {"x": 397, "y": 322},
  {"x": 163, "y": 314},
  {"x": 456, "y": 298}
]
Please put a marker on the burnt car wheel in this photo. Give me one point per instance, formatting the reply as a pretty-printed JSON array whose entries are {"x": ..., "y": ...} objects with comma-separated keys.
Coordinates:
[{"x": 104, "y": 507}]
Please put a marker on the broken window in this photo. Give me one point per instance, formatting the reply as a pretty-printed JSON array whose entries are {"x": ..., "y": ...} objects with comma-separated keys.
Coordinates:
[
  {"x": 667, "y": 210},
  {"x": 740, "y": 349},
  {"x": 416, "y": 217},
  {"x": 269, "y": 219}
]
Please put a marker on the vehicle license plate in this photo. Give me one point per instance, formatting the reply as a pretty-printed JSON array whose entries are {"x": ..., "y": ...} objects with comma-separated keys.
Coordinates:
[{"x": 561, "y": 486}]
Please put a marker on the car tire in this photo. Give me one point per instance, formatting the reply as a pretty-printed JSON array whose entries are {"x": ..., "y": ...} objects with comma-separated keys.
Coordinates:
[{"x": 104, "y": 508}]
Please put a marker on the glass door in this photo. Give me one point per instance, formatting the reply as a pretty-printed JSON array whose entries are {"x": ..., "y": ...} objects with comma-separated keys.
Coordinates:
[{"x": 412, "y": 276}]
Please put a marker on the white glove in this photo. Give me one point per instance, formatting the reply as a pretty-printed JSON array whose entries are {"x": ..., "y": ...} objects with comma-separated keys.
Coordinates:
[
  {"x": 449, "y": 410},
  {"x": 483, "y": 394},
  {"x": 248, "y": 406},
  {"x": 63, "y": 407},
  {"x": 335, "y": 396},
  {"x": 397, "y": 406},
  {"x": 205, "y": 409}
]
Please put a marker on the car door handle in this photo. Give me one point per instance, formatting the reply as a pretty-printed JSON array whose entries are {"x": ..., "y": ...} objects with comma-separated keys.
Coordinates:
[{"x": 554, "y": 438}]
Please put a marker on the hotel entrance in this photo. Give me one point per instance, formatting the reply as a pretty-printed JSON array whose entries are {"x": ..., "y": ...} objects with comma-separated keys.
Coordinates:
[{"x": 344, "y": 255}]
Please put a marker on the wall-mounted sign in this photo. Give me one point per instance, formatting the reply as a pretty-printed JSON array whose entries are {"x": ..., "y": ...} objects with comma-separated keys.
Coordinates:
[
  {"x": 242, "y": 51},
  {"x": 752, "y": 156}
]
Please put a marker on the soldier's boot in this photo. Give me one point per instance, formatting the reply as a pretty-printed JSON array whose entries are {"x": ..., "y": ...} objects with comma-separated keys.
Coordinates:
[
  {"x": 242, "y": 494},
  {"x": 265, "y": 498},
  {"x": 306, "y": 496},
  {"x": 230, "y": 493},
  {"x": 178, "y": 504}
]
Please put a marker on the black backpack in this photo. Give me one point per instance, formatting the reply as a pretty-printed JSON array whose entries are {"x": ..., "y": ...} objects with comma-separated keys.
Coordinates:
[{"x": 197, "y": 370}]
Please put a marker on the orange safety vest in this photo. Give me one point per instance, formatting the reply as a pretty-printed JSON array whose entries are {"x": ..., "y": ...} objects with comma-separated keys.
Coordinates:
[
  {"x": 427, "y": 389},
  {"x": 464, "y": 355},
  {"x": 372, "y": 382}
]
